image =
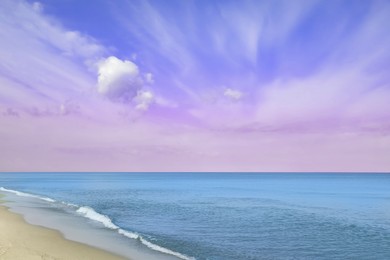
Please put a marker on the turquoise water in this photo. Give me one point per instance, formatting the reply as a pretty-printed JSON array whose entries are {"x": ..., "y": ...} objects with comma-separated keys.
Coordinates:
[{"x": 232, "y": 215}]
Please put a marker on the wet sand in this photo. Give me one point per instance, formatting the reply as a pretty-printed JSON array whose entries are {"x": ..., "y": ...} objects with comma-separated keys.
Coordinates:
[{"x": 20, "y": 240}]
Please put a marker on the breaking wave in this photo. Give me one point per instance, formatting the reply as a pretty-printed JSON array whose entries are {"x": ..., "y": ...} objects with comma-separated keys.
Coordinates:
[{"x": 90, "y": 213}]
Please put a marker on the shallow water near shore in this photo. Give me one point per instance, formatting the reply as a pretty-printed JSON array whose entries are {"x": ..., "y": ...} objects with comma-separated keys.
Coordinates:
[{"x": 214, "y": 215}]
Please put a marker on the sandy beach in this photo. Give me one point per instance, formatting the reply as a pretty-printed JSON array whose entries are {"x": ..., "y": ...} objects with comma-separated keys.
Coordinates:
[{"x": 20, "y": 240}]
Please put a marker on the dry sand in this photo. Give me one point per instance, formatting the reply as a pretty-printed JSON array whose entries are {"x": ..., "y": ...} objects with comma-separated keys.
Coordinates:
[{"x": 20, "y": 240}]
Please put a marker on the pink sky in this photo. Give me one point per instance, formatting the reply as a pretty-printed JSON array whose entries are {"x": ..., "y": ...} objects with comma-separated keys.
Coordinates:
[
  {"x": 71, "y": 144},
  {"x": 300, "y": 86}
]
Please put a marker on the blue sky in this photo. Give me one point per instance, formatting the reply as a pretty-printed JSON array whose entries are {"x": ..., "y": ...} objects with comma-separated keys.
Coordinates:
[
  {"x": 236, "y": 76},
  {"x": 211, "y": 45}
]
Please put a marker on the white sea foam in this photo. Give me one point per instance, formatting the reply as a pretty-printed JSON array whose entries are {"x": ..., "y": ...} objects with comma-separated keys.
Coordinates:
[
  {"x": 23, "y": 194},
  {"x": 128, "y": 234},
  {"x": 93, "y": 215},
  {"x": 163, "y": 249},
  {"x": 153, "y": 246},
  {"x": 70, "y": 204},
  {"x": 90, "y": 213}
]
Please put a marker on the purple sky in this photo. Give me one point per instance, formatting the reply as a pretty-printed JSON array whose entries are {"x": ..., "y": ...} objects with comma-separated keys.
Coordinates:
[{"x": 266, "y": 85}]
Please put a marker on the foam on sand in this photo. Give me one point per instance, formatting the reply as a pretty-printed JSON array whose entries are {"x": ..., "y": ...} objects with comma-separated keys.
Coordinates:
[
  {"x": 19, "y": 193},
  {"x": 92, "y": 214},
  {"x": 37, "y": 242}
]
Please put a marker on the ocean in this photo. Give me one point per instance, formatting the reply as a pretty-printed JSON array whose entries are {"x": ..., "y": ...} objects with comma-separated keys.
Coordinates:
[{"x": 212, "y": 215}]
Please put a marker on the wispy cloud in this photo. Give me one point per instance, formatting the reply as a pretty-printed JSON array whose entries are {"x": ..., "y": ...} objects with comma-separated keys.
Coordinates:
[
  {"x": 45, "y": 67},
  {"x": 40, "y": 59},
  {"x": 233, "y": 94},
  {"x": 220, "y": 85},
  {"x": 309, "y": 59}
]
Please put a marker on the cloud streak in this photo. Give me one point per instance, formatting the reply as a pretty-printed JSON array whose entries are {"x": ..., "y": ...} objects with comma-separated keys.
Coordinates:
[
  {"x": 290, "y": 57},
  {"x": 213, "y": 85},
  {"x": 40, "y": 60}
]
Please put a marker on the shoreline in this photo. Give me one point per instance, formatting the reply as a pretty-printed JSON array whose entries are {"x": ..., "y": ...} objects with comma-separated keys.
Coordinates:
[
  {"x": 79, "y": 225},
  {"x": 21, "y": 240}
]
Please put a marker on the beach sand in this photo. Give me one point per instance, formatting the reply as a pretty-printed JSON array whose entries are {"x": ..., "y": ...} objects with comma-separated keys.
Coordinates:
[{"x": 20, "y": 240}]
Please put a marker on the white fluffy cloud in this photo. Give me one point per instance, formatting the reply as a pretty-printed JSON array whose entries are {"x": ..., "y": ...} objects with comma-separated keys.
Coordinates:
[
  {"x": 233, "y": 94},
  {"x": 143, "y": 100},
  {"x": 118, "y": 79},
  {"x": 37, "y": 6},
  {"x": 149, "y": 78}
]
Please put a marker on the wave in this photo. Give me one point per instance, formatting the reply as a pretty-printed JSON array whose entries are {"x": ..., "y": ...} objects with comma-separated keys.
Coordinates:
[
  {"x": 153, "y": 246},
  {"x": 90, "y": 213},
  {"x": 163, "y": 249},
  {"x": 19, "y": 193},
  {"x": 128, "y": 234}
]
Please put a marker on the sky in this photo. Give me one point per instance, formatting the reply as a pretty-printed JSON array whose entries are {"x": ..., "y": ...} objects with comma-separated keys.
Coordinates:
[{"x": 195, "y": 85}]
